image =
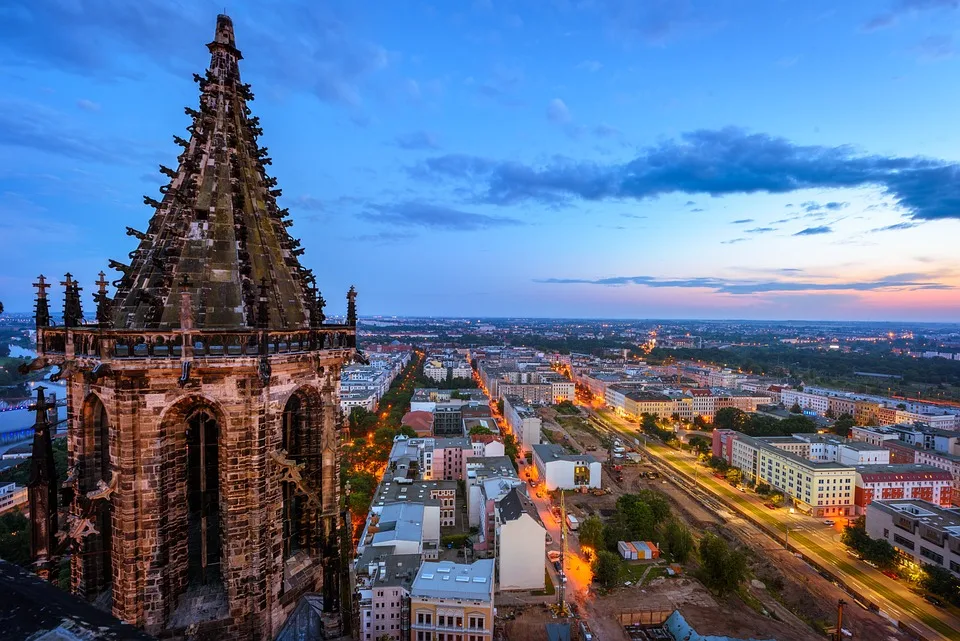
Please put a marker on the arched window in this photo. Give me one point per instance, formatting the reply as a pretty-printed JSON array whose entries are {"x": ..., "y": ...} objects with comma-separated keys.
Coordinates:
[
  {"x": 300, "y": 438},
  {"x": 294, "y": 421},
  {"x": 95, "y": 461},
  {"x": 203, "y": 499}
]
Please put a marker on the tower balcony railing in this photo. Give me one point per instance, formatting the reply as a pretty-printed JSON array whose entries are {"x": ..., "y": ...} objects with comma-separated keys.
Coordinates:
[{"x": 92, "y": 341}]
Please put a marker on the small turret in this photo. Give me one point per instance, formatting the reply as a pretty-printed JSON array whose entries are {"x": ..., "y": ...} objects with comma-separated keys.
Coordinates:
[{"x": 42, "y": 491}]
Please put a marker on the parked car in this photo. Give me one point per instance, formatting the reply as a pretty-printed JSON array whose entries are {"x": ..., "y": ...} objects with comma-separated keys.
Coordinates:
[
  {"x": 829, "y": 522},
  {"x": 891, "y": 574},
  {"x": 933, "y": 600},
  {"x": 557, "y": 566}
]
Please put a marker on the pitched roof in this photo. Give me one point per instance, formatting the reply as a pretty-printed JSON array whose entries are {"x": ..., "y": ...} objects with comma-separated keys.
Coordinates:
[
  {"x": 218, "y": 226},
  {"x": 33, "y": 608}
]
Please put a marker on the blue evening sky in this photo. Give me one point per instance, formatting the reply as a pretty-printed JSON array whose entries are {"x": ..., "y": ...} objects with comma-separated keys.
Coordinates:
[{"x": 603, "y": 158}]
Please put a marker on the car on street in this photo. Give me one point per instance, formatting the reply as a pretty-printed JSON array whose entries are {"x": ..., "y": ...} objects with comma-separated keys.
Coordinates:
[
  {"x": 932, "y": 600},
  {"x": 829, "y": 522},
  {"x": 557, "y": 566},
  {"x": 890, "y": 574}
]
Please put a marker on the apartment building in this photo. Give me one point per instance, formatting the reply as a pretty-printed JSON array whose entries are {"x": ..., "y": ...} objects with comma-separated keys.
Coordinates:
[
  {"x": 819, "y": 488},
  {"x": 560, "y": 470},
  {"x": 452, "y": 601},
  {"x": 383, "y": 593},
  {"x": 521, "y": 543},
  {"x": 535, "y": 393},
  {"x": 523, "y": 422},
  {"x": 921, "y": 530},
  {"x": 12, "y": 496},
  {"x": 891, "y": 482},
  {"x": 817, "y": 403},
  {"x": 449, "y": 460}
]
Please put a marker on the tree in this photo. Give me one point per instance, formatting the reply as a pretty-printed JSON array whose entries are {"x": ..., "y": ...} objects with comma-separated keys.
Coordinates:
[
  {"x": 361, "y": 421},
  {"x": 606, "y": 569},
  {"x": 510, "y": 447},
  {"x": 723, "y": 569},
  {"x": 15, "y": 538},
  {"x": 480, "y": 430},
  {"x": 795, "y": 408},
  {"x": 730, "y": 418},
  {"x": 591, "y": 533},
  {"x": 941, "y": 582},
  {"x": 677, "y": 540},
  {"x": 406, "y": 430},
  {"x": 843, "y": 425},
  {"x": 734, "y": 476},
  {"x": 700, "y": 423},
  {"x": 500, "y": 407},
  {"x": 700, "y": 444}
]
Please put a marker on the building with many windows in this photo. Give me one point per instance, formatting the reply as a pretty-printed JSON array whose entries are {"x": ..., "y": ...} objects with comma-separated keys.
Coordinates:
[
  {"x": 383, "y": 593},
  {"x": 560, "y": 470},
  {"x": 452, "y": 602},
  {"x": 523, "y": 421},
  {"x": 926, "y": 532},
  {"x": 891, "y": 482}
]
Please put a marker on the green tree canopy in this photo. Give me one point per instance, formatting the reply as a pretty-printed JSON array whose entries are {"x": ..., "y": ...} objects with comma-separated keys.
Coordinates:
[
  {"x": 606, "y": 569},
  {"x": 591, "y": 533},
  {"x": 723, "y": 569},
  {"x": 677, "y": 540}
]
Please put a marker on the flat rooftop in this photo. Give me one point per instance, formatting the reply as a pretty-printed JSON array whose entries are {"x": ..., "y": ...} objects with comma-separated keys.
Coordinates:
[{"x": 448, "y": 580}]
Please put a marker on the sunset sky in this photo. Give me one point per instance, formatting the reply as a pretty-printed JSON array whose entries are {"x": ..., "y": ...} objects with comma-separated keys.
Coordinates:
[{"x": 595, "y": 158}]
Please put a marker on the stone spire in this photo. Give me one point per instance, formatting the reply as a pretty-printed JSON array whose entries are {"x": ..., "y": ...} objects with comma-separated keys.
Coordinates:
[
  {"x": 218, "y": 222},
  {"x": 72, "y": 311},
  {"x": 42, "y": 490},
  {"x": 43, "y": 306},
  {"x": 352, "y": 306}
]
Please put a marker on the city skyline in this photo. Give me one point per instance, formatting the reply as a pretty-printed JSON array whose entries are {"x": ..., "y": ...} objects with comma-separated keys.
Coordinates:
[{"x": 572, "y": 160}]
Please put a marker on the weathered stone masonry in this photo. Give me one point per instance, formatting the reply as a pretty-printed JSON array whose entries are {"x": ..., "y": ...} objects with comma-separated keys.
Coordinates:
[{"x": 203, "y": 405}]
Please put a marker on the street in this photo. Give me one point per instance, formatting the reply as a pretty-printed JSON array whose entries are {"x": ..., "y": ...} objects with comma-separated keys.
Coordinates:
[{"x": 813, "y": 539}]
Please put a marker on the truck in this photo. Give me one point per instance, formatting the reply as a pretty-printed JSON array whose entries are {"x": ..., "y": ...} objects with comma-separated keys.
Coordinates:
[{"x": 572, "y": 522}]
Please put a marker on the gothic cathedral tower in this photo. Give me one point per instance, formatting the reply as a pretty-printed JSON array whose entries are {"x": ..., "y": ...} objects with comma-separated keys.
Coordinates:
[{"x": 203, "y": 404}]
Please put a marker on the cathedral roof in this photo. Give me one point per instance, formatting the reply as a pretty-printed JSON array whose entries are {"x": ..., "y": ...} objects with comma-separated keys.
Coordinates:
[{"x": 217, "y": 234}]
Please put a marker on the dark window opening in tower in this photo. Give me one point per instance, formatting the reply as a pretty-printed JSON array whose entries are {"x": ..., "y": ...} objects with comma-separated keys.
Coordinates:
[
  {"x": 294, "y": 422},
  {"x": 203, "y": 500},
  {"x": 97, "y": 552}
]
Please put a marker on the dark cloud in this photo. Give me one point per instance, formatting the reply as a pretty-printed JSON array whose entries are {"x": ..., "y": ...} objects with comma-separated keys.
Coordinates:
[
  {"x": 606, "y": 131},
  {"x": 33, "y": 126},
  {"x": 416, "y": 140},
  {"x": 696, "y": 210},
  {"x": 814, "y": 231},
  {"x": 308, "y": 203},
  {"x": 652, "y": 21},
  {"x": 726, "y": 161},
  {"x": 742, "y": 221},
  {"x": 300, "y": 46},
  {"x": 895, "y": 227},
  {"x": 745, "y": 287},
  {"x": 903, "y": 7},
  {"x": 416, "y": 214},
  {"x": 760, "y": 230},
  {"x": 934, "y": 48}
]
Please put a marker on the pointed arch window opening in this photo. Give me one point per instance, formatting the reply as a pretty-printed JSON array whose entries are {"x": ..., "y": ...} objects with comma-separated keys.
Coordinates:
[
  {"x": 298, "y": 432},
  {"x": 98, "y": 468},
  {"x": 204, "y": 535}
]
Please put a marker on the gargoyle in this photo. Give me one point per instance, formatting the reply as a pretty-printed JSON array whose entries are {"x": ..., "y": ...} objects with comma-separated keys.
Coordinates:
[
  {"x": 290, "y": 473},
  {"x": 67, "y": 368},
  {"x": 139, "y": 235},
  {"x": 153, "y": 202},
  {"x": 104, "y": 490},
  {"x": 360, "y": 357},
  {"x": 77, "y": 529},
  {"x": 32, "y": 366},
  {"x": 100, "y": 369}
]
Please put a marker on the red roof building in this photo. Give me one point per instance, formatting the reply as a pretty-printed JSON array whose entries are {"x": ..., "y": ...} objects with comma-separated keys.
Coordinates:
[
  {"x": 889, "y": 482},
  {"x": 421, "y": 422}
]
